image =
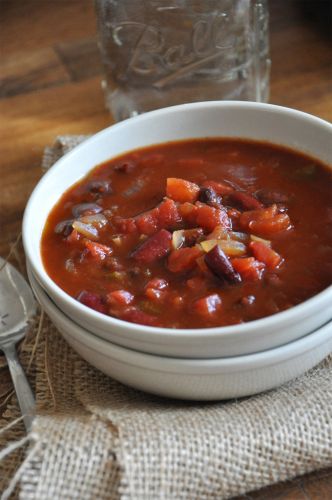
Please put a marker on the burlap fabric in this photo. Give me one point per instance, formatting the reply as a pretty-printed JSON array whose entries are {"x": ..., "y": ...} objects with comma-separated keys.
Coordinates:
[{"x": 93, "y": 438}]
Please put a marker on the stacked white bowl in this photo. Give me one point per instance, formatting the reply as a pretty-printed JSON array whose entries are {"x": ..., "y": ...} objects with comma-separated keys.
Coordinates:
[{"x": 200, "y": 364}]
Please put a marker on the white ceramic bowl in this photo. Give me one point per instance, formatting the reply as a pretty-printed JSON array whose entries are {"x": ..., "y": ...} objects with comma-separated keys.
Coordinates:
[
  {"x": 197, "y": 379},
  {"x": 279, "y": 125}
]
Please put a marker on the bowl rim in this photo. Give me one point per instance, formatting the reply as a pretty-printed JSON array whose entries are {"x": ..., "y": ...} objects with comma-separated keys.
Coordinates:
[
  {"x": 193, "y": 366},
  {"x": 149, "y": 332}
]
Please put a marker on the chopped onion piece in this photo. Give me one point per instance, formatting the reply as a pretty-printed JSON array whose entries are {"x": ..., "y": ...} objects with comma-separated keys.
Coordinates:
[
  {"x": 96, "y": 220},
  {"x": 117, "y": 240},
  {"x": 177, "y": 239},
  {"x": 87, "y": 230},
  {"x": 219, "y": 233},
  {"x": 230, "y": 247},
  {"x": 236, "y": 235},
  {"x": 91, "y": 208},
  {"x": 70, "y": 266},
  {"x": 207, "y": 245},
  {"x": 256, "y": 238},
  {"x": 186, "y": 237}
]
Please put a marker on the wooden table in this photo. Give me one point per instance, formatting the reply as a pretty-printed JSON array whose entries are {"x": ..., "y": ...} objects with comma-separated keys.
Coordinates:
[{"x": 50, "y": 85}]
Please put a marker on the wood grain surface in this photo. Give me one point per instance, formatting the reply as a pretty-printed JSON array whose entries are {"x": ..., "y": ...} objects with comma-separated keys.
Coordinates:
[{"x": 50, "y": 77}]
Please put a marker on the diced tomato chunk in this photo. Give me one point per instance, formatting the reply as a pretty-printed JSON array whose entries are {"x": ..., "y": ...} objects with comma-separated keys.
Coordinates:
[
  {"x": 148, "y": 223},
  {"x": 249, "y": 268},
  {"x": 256, "y": 215},
  {"x": 92, "y": 300},
  {"x": 182, "y": 190},
  {"x": 183, "y": 259},
  {"x": 135, "y": 315},
  {"x": 208, "y": 306},
  {"x": 265, "y": 221},
  {"x": 280, "y": 222},
  {"x": 265, "y": 254},
  {"x": 119, "y": 298},
  {"x": 165, "y": 216},
  {"x": 155, "y": 295},
  {"x": 188, "y": 212},
  {"x": 125, "y": 226},
  {"x": 219, "y": 187},
  {"x": 154, "y": 248},
  {"x": 209, "y": 217},
  {"x": 97, "y": 250},
  {"x": 168, "y": 214},
  {"x": 157, "y": 283}
]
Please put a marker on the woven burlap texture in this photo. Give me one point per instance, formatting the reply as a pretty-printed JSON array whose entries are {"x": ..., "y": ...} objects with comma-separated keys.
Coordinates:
[{"x": 93, "y": 438}]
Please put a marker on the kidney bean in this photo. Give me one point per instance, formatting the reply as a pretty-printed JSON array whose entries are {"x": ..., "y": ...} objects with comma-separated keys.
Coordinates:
[
  {"x": 85, "y": 209},
  {"x": 245, "y": 200},
  {"x": 268, "y": 196},
  {"x": 154, "y": 248},
  {"x": 92, "y": 300},
  {"x": 102, "y": 186},
  {"x": 125, "y": 167},
  {"x": 209, "y": 196},
  {"x": 221, "y": 266},
  {"x": 64, "y": 227}
]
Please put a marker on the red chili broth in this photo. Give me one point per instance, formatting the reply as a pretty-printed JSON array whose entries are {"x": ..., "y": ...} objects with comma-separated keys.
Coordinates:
[{"x": 306, "y": 249}]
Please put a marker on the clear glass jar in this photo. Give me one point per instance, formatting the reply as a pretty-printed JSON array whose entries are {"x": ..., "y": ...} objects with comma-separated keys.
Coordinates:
[{"x": 158, "y": 53}]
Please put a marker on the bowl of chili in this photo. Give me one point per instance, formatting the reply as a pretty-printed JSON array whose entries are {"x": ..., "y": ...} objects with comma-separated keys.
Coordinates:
[{"x": 196, "y": 231}]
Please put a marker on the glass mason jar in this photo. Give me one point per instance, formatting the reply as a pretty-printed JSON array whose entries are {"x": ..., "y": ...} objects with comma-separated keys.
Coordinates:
[{"x": 158, "y": 53}]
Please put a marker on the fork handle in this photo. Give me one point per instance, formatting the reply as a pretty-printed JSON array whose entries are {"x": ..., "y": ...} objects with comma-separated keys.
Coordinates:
[{"x": 22, "y": 388}]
